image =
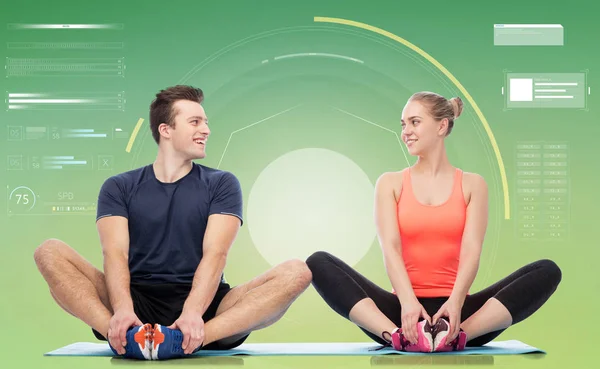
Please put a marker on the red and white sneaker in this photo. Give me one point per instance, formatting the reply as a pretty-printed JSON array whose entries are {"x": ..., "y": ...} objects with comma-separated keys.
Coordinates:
[
  {"x": 440, "y": 331},
  {"x": 424, "y": 340}
]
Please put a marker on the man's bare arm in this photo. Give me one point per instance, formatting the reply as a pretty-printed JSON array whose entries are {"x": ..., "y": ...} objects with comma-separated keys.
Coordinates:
[
  {"x": 114, "y": 238},
  {"x": 221, "y": 231}
]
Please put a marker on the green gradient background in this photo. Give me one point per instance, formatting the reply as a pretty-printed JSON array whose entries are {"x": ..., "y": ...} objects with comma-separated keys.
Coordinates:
[{"x": 201, "y": 43}]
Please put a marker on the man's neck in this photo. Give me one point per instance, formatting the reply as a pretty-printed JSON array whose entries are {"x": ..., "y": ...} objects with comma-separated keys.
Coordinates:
[{"x": 169, "y": 168}]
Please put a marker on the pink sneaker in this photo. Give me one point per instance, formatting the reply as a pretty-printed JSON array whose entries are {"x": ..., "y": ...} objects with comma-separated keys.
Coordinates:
[
  {"x": 440, "y": 332},
  {"x": 424, "y": 340}
]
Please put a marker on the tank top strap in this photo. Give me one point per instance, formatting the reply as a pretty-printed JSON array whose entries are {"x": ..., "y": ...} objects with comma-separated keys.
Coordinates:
[
  {"x": 405, "y": 177},
  {"x": 457, "y": 187},
  {"x": 406, "y": 182},
  {"x": 459, "y": 175}
]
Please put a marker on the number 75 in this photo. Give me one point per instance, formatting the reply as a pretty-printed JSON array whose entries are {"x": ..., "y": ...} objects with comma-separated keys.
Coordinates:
[{"x": 24, "y": 197}]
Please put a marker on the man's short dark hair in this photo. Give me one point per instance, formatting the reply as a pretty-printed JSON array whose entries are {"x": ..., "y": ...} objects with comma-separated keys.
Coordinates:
[{"x": 161, "y": 108}]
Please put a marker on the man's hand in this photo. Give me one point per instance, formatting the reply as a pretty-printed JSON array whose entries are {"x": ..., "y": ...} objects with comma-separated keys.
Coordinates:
[
  {"x": 451, "y": 309},
  {"x": 410, "y": 317},
  {"x": 119, "y": 324},
  {"x": 190, "y": 323}
]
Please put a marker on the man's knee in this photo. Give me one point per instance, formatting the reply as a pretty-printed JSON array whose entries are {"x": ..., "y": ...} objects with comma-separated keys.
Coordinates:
[
  {"x": 48, "y": 251},
  {"x": 229, "y": 342},
  {"x": 297, "y": 273}
]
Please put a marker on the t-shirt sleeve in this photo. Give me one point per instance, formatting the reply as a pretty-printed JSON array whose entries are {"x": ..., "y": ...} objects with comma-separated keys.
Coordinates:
[
  {"x": 111, "y": 200},
  {"x": 227, "y": 197}
]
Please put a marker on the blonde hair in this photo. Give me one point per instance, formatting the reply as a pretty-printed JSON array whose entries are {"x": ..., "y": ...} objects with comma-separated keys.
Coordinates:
[{"x": 439, "y": 107}]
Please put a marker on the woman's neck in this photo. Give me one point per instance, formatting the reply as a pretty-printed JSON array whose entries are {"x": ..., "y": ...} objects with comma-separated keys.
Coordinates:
[{"x": 433, "y": 163}]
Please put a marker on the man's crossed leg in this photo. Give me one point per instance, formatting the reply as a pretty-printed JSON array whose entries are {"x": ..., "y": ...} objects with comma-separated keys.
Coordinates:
[{"x": 80, "y": 289}]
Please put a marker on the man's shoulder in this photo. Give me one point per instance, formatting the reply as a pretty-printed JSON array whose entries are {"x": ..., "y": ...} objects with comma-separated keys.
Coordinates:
[
  {"x": 213, "y": 174},
  {"x": 130, "y": 177}
]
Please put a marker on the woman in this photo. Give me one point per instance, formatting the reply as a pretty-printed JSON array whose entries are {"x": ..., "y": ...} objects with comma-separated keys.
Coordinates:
[{"x": 431, "y": 219}]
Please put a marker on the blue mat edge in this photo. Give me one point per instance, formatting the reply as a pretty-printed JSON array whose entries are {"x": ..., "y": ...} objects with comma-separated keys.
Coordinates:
[{"x": 383, "y": 352}]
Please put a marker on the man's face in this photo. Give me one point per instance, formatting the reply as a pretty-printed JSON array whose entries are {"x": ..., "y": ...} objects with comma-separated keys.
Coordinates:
[{"x": 190, "y": 132}]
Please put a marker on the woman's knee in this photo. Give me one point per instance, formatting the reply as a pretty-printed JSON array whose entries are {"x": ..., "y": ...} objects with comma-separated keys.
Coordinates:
[
  {"x": 320, "y": 264},
  {"x": 552, "y": 271},
  {"x": 316, "y": 260}
]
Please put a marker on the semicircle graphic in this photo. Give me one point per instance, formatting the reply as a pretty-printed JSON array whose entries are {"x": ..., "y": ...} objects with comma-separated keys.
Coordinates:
[{"x": 454, "y": 81}]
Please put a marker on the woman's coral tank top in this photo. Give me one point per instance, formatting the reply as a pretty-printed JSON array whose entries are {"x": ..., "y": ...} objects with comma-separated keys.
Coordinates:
[{"x": 431, "y": 237}]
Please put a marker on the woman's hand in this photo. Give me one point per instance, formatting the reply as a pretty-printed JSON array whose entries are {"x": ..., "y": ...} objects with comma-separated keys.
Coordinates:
[
  {"x": 451, "y": 309},
  {"x": 411, "y": 313}
]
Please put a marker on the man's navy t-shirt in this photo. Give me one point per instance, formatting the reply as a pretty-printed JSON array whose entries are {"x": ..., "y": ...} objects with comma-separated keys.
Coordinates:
[{"x": 167, "y": 221}]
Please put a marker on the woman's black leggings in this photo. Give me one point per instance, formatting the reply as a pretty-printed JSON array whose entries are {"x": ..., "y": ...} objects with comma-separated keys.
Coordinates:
[{"x": 522, "y": 293}]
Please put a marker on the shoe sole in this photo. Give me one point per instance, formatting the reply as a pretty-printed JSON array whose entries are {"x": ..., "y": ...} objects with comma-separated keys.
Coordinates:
[
  {"x": 424, "y": 340},
  {"x": 161, "y": 338},
  {"x": 439, "y": 341},
  {"x": 428, "y": 344},
  {"x": 462, "y": 341},
  {"x": 143, "y": 341},
  {"x": 157, "y": 339}
]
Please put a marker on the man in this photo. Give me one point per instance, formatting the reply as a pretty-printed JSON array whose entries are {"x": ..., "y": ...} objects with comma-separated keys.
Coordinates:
[{"x": 165, "y": 230}]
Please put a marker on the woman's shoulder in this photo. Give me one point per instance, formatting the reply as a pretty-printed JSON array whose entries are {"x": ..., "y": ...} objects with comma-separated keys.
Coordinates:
[
  {"x": 473, "y": 183},
  {"x": 391, "y": 182},
  {"x": 473, "y": 179}
]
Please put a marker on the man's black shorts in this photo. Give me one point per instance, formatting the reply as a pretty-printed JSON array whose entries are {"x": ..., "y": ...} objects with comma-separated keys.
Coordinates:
[{"x": 163, "y": 303}]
